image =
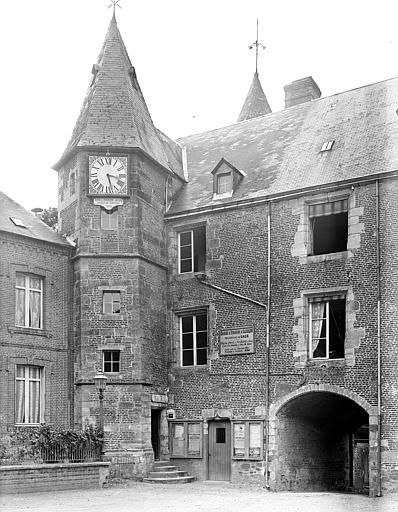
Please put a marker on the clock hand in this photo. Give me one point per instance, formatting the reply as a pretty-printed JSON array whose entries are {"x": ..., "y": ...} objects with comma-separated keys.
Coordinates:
[{"x": 109, "y": 179}]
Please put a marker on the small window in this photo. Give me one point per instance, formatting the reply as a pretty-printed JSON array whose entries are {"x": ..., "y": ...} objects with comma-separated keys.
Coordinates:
[
  {"x": 327, "y": 146},
  {"x": 72, "y": 183},
  {"x": 29, "y": 301},
  {"x": 220, "y": 435},
  {"x": 111, "y": 361},
  {"x": 109, "y": 218},
  {"x": 193, "y": 332},
  {"x": 224, "y": 183},
  {"x": 29, "y": 403},
  {"x": 328, "y": 227},
  {"x": 17, "y": 222},
  {"x": 192, "y": 250},
  {"x": 111, "y": 302},
  {"x": 327, "y": 327},
  {"x": 186, "y": 439},
  {"x": 248, "y": 440}
]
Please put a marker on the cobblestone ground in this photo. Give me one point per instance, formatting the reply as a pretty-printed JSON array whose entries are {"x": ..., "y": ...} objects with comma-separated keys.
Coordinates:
[{"x": 199, "y": 496}]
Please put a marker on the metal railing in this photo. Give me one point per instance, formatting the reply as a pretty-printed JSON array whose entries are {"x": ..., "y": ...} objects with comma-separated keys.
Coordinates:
[{"x": 55, "y": 452}]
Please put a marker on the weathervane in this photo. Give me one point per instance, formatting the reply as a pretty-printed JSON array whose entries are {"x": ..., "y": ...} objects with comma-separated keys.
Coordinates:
[
  {"x": 114, "y": 3},
  {"x": 256, "y": 44}
]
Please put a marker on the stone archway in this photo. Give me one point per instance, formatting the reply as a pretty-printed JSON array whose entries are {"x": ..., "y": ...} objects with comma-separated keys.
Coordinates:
[{"x": 309, "y": 438}]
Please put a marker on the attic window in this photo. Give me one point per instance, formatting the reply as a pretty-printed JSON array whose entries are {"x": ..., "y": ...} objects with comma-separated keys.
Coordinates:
[
  {"x": 17, "y": 222},
  {"x": 224, "y": 183},
  {"x": 327, "y": 146}
]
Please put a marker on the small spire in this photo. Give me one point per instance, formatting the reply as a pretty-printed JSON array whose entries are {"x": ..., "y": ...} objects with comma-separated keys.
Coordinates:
[
  {"x": 256, "y": 44},
  {"x": 113, "y": 4}
]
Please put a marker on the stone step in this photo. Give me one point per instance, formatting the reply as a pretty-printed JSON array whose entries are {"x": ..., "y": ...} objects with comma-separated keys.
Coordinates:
[
  {"x": 161, "y": 463},
  {"x": 176, "y": 480},
  {"x": 166, "y": 474},
  {"x": 166, "y": 468}
]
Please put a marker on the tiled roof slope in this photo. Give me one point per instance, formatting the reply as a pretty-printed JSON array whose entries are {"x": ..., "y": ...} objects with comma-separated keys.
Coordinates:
[
  {"x": 256, "y": 103},
  {"x": 35, "y": 228},
  {"x": 280, "y": 152},
  {"x": 114, "y": 112}
]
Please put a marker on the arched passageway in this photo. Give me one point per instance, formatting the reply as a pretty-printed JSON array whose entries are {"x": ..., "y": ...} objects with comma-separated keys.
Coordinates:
[{"x": 320, "y": 442}]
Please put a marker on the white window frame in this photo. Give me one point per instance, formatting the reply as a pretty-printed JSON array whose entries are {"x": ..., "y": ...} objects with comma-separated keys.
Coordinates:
[
  {"x": 27, "y": 288},
  {"x": 27, "y": 380},
  {"x": 194, "y": 344},
  {"x": 326, "y": 300},
  {"x": 227, "y": 183},
  {"x": 179, "y": 252}
]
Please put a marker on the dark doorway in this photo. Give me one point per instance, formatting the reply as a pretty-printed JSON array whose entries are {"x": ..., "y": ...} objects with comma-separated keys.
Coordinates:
[
  {"x": 219, "y": 450},
  {"x": 322, "y": 444},
  {"x": 155, "y": 432}
]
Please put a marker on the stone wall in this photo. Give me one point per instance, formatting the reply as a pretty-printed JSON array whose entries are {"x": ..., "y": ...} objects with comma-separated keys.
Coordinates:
[{"x": 52, "y": 477}]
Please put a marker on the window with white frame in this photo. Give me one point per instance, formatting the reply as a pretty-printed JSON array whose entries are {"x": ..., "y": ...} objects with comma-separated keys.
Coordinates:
[
  {"x": 111, "y": 361},
  {"x": 29, "y": 301},
  {"x": 328, "y": 227},
  {"x": 224, "y": 183},
  {"x": 327, "y": 319},
  {"x": 111, "y": 302},
  {"x": 29, "y": 401},
  {"x": 193, "y": 339},
  {"x": 109, "y": 218},
  {"x": 192, "y": 250}
]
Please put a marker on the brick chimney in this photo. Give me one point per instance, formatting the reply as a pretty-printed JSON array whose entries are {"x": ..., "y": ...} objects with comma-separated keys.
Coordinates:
[{"x": 301, "y": 91}]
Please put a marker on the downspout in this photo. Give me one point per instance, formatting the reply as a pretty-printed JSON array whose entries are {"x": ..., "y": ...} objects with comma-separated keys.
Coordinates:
[
  {"x": 379, "y": 493},
  {"x": 267, "y": 345}
]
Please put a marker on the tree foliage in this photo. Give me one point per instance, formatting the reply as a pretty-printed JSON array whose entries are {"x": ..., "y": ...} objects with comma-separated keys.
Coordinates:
[{"x": 50, "y": 217}]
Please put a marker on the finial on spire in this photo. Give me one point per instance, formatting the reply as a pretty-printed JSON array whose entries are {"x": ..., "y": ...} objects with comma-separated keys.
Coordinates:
[
  {"x": 255, "y": 44},
  {"x": 114, "y": 3}
]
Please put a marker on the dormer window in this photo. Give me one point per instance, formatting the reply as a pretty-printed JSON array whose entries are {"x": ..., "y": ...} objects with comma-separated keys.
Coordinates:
[
  {"x": 226, "y": 179},
  {"x": 224, "y": 183}
]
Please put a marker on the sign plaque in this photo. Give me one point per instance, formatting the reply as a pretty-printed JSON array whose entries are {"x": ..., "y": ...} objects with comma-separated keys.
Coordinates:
[{"x": 237, "y": 341}]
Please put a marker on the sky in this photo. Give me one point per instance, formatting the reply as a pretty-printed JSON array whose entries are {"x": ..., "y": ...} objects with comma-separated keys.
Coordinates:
[{"x": 192, "y": 60}]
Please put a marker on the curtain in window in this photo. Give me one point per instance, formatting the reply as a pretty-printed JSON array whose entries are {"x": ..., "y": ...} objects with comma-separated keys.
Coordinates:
[
  {"x": 330, "y": 208},
  {"x": 20, "y": 307},
  {"x": 34, "y": 309},
  {"x": 34, "y": 402},
  {"x": 318, "y": 314},
  {"x": 19, "y": 401}
]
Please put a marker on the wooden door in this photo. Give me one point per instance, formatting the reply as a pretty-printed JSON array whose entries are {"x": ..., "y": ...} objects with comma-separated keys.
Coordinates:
[{"x": 219, "y": 450}]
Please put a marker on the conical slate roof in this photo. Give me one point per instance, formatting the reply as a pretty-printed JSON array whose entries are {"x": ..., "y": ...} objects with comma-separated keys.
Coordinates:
[
  {"x": 114, "y": 113},
  {"x": 256, "y": 103}
]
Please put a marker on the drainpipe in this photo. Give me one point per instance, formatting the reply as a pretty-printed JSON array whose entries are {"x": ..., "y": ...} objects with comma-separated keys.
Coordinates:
[
  {"x": 378, "y": 342},
  {"x": 268, "y": 344}
]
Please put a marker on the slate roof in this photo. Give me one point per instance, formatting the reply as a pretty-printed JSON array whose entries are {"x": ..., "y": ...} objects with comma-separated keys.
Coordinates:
[
  {"x": 35, "y": 228},
  {"x": 114, "y": 112},
  {"x": 280, "y": 152},
  {"x": 256, "y": 103}
]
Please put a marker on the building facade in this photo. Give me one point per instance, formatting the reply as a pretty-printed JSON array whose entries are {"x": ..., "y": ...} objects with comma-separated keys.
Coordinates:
[{"x": 238, "y": 287}]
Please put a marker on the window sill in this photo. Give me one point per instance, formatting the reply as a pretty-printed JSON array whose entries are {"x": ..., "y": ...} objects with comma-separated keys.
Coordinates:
[
  {"x": 250, "y": 459},
  {"x": 194, "y": 367},
  {"x": 327, "y": 362},
  {"x": 319, "y": 258},
  {"x": 190, "y": 275},
  {"x": 186, "y": 456},
  {"x": 13, "y": 329}
]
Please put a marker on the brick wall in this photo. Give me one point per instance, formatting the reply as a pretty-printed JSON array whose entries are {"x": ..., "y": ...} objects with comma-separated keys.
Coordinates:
[
  {"x": 48, "y": 347},
  {"x": 52, "y": 477}
]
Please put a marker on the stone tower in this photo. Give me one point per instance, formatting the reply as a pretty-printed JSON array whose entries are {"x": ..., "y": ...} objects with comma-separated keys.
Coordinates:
[{"x": 115, "y": 177}]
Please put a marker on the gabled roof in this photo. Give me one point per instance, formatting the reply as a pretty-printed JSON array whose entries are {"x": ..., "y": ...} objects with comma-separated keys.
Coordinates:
[
  {"x": 114, "y": 113},
  {"x": 256, "y": 103},
  {"x": 25, "y": 223},
  {"x": 280, "y": 152}
]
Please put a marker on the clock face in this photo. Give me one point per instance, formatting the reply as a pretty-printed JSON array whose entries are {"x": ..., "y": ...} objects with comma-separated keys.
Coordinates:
[{"x": 108, "y": 175}]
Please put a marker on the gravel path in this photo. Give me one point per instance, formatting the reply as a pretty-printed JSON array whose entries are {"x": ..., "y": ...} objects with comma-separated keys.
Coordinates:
[{"x": 199, "y": 496}]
